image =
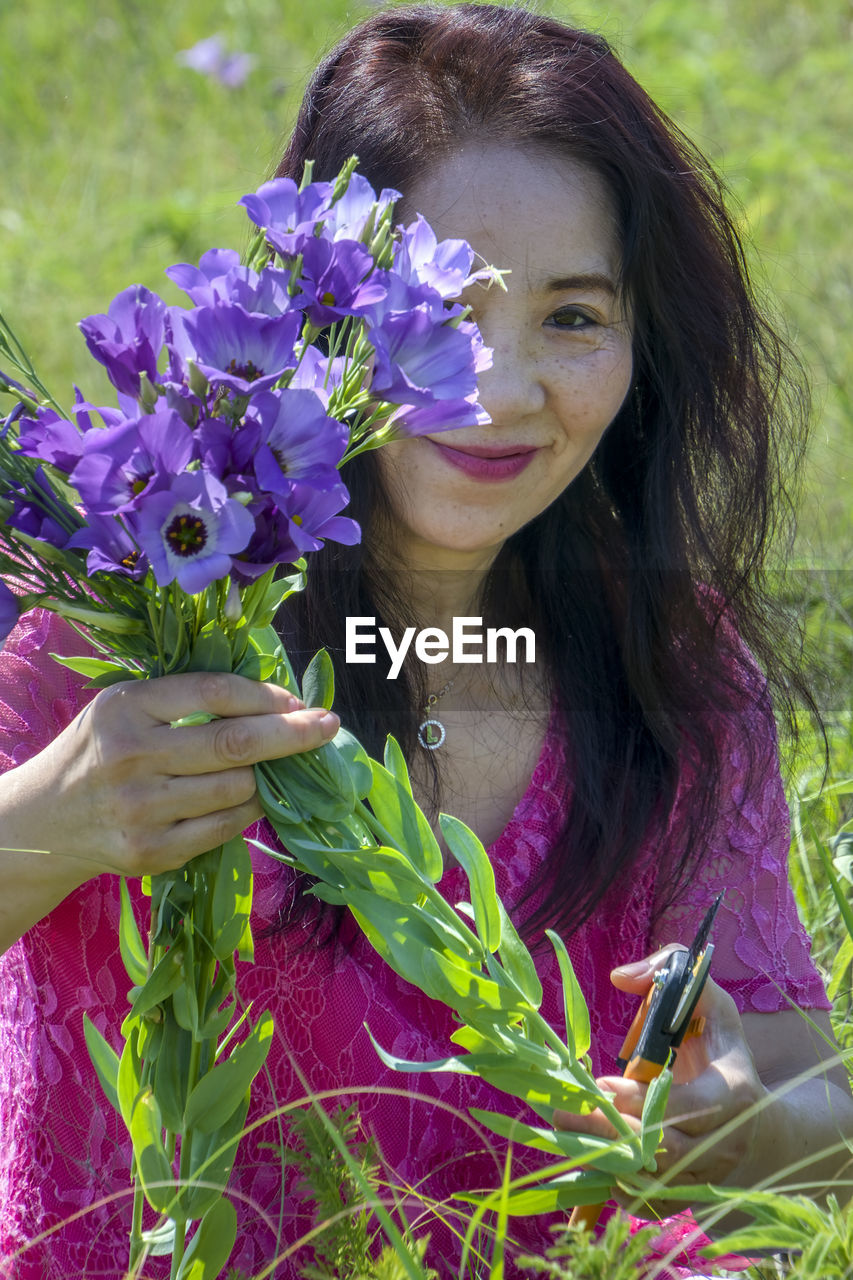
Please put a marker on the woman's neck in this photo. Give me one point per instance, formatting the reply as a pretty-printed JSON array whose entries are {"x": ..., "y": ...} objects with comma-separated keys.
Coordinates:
[{"x": 439, "y": 587}]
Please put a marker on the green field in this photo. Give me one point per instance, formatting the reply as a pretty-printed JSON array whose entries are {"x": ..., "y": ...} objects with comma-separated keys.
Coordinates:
[{"x": 117, "y": 160}]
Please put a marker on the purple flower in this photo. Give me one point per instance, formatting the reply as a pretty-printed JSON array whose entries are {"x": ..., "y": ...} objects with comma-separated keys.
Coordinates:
[
  {"x": 8, "y": 383},
  {"x": 419, "y": 361},
  {"x": 444, "y": 415},
  {"x": 219, "y": 277},
  {"x": 210, "y": 58},
  {"x": 190, "y": 531},
  {"x": 314, "y": 516},
  {"x": 234, "y": 348},
  {"x": 8, "y": 612},
  {"x": 287, "y": 214},
  {"x": 110, "y": 546},
  {"x": 295, "y": 441},
  {"x": 335, "y": 280},
  {"x": 120, "y": 465},
  {"x": 40, "y": 513},
  {"x": 286, "y": 528},
  {"x": 347, "y": 218},
  {"x": 200, "y": 282},
  {"x": 421, "y": 259},
  {"x": 129, "y": 338},
  {"x": 51, "y": 438},
  {"x": 314, "y": 372}
]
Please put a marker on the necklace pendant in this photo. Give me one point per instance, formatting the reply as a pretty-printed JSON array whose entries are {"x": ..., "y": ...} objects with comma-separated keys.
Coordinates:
[{"x": 431, "y": 734}]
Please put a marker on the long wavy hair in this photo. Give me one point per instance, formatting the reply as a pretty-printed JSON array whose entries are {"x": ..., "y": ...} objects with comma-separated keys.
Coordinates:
[{"x": 645, "y": 579}]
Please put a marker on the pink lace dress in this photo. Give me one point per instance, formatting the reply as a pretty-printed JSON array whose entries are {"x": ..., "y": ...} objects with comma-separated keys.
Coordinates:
[{"x": 64, "y": 1182}]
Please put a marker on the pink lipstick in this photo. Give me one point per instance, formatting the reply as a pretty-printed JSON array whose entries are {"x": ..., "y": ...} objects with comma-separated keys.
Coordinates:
[{"x": 488, "y": 462}]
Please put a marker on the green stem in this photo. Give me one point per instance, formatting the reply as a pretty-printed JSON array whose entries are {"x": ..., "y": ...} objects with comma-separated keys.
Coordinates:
[
  {"x": 184, "y": 1168},
  {"x": 136, "y": 1224}
]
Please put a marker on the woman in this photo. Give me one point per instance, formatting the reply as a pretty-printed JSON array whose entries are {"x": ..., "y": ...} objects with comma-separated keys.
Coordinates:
[{"x": 618, "y": 505}]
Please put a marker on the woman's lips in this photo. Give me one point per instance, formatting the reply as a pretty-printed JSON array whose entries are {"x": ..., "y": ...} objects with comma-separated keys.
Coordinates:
[{"x": 488, "y": 462}]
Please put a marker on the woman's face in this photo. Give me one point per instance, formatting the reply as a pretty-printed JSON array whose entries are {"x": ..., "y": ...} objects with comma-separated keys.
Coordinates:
[{"x": 562, "y": 352}]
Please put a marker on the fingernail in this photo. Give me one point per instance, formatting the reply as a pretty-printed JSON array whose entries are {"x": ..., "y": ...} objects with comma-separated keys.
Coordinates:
[
  {"x": 635, "y": 970},
  {"x": 330, "y": 723}
]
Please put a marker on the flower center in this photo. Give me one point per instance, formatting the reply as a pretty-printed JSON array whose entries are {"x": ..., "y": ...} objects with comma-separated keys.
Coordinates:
[
  {"x": 327, "y": 299},
  {"x": 186, "y": 535},
  {"x": 248, "y": 372},
  {"x": 130, "y": 560}
]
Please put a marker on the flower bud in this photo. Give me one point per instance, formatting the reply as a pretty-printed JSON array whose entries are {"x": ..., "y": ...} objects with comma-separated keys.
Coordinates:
[
  {"x": 199, "y": 384},
  {"x": 148, "y": 393},
  {"x": 233, "y": 609}
]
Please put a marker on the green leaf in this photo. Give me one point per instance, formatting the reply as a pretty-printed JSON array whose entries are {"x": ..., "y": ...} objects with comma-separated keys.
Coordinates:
[
  {"x": 467, "y": 990},
  {"x": 171, "y": 1073},
  {"x": 104, "y": 1059},
  {"x": 211, "y": 1161},
  {"x": 318, "y": 681},
  {"x": 336, "y": 776},
  {"x": 211, "y": 651},
  {"x": 231, "y": 902},
  {"x": 405, "y": 935},
  {"x": 210, "y": 1247},
  {"x": 130, "y": 942},
  {"x": 756, "y": 1239},
  {"x": 459, "y": 1066},
  {"x": 395, "y": 762},
  {"x": 578, "y": 1036},
  {"x": 557, "y": 1090},
  {"x": 256, "y": 666},
  {"x": 165, "y": 978},
  {"x": 356, "y": 759},
  {"x": 517, "y": 960},
  {"x": 471, "y": 855},
  {"x": 152, "y": 1163},
  {"x": 381, "y": 870},
  {"x": 840, "y": 965},
  {"x": 95, "y": 667},
  {"x": 129, "y": 1076},
  {"x": 838, "y": 892},
  {"x": 654, "y": 1109},
  {"x": 308, "y": 785},
  {"x": 392, "y": 803},
  {"x": 219, "y": 1093},
  {"x": 607, "y": 1155},
  {"x": 554, "y": 1194}
]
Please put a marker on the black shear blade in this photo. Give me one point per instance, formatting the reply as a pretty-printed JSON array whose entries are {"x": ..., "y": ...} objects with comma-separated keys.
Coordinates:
[{"x": 695, "y": 972}]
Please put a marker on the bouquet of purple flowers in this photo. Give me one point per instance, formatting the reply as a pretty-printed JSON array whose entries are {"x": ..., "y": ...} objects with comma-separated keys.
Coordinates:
[{"x": 170, "y": 528}]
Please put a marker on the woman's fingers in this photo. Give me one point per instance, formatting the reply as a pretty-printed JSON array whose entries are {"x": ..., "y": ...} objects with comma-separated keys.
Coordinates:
[
  {"x": 254, "y": 722},
  {"x": 242, "y": 740},
  {"x": 218, "y": 693},
  {"x": 715, "y": 1083}
]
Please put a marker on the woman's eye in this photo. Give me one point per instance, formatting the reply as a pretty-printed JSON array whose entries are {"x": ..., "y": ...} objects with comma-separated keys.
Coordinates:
[{"x": 570, "y": 318}]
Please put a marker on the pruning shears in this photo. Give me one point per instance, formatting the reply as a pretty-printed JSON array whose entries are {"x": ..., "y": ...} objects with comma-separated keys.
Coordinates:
[{"x": 664, "y": 1019}]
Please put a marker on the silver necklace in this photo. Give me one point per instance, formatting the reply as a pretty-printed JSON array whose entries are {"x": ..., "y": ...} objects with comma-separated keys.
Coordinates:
[{"x": 431, "y": 732}]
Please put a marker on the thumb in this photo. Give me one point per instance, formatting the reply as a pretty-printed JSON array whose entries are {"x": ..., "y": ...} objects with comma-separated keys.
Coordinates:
[{"x": 637, "y": 977}]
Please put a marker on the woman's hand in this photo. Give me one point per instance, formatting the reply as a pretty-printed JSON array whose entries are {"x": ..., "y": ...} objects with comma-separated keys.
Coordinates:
[
  {"x": 121, "y": 790},
  {"x": 715, "y": 1088},
  {"x": 758, "y": 1098}
]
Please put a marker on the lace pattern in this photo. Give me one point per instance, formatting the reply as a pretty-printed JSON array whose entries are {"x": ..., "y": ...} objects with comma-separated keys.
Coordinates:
[{"x": 62, "y": 1150}]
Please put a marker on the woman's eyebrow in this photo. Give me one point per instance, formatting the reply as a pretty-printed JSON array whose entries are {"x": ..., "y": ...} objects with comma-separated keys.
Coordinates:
[{"x": 585, "y": 282}]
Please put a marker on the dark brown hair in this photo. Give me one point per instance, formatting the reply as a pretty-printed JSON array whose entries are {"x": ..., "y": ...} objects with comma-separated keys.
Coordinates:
[{"x": 646, "y": 576}]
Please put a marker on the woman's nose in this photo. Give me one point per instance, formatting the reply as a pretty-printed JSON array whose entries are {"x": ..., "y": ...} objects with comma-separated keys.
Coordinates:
[{"x": 510, "y": 390}]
